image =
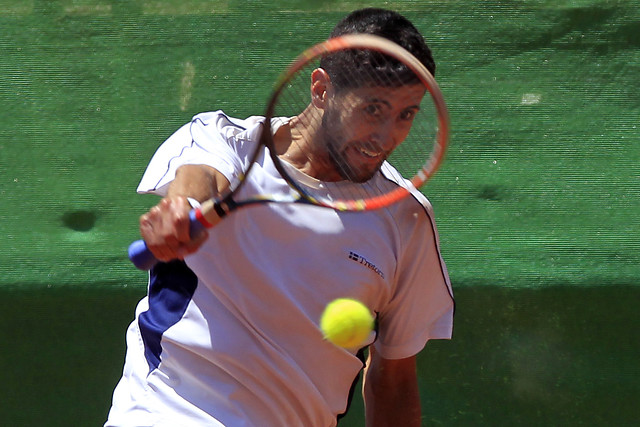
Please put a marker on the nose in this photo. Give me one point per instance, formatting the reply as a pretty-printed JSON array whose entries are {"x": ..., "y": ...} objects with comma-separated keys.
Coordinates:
[{"x": 385, "y": 137}]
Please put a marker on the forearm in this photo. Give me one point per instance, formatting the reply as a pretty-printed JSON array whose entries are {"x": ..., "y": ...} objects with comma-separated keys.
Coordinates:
[
  {"x": 166, "y": 227},
  {"x": 391, "y": 393},
  {"x": 199, "y": 182}
]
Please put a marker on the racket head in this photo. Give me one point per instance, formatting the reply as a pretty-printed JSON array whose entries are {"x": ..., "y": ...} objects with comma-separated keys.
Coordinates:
[{"x": 372, "y": 108}]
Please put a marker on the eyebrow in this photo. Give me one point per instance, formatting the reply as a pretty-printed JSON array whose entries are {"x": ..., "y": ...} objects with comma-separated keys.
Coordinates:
[{"x": 388, "y": 104}]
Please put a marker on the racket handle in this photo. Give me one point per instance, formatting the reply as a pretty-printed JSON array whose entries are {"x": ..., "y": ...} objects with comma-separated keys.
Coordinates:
[{"x": 141, "y": 256}]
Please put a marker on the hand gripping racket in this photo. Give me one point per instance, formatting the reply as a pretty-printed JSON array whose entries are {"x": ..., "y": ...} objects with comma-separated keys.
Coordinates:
[{"x": 345, "y": 113}]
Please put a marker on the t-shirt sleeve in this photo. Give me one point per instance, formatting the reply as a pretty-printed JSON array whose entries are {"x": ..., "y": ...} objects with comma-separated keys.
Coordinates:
[
  {"x": 422, "y": 304},
  {"x": 207, "y": 140}
]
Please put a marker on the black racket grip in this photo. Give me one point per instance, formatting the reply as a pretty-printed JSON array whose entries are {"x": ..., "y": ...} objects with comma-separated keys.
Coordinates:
[{"x": 141, "y": 256}]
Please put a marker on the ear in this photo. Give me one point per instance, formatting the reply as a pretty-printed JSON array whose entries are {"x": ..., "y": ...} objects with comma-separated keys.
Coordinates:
[{"x": 321, "y": 88}]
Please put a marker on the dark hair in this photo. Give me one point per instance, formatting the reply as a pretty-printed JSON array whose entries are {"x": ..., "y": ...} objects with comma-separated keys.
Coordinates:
[{"x": 384, "y": 23}]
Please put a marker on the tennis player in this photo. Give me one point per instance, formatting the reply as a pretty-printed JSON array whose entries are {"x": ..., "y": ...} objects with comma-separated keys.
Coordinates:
[{"x": 228, "y": 334}]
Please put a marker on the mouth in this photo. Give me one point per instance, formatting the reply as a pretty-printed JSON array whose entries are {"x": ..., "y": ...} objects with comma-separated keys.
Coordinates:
[
  {"x": 357, "y": 161},
  {"x": 369, "y": 152}
]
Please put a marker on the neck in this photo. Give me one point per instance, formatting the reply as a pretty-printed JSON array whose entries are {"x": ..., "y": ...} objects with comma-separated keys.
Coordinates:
[{"x": 300, "y": 143}]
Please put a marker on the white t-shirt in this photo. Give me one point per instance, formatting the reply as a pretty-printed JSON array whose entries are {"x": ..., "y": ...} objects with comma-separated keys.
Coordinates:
[{"x": 233, "y": 339}]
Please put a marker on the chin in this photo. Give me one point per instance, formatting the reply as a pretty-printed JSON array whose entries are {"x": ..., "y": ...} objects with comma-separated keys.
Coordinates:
[{"x": 361, "y": 178}]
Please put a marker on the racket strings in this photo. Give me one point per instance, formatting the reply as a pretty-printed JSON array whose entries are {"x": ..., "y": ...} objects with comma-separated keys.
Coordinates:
[{"x": 361, "y": 121}]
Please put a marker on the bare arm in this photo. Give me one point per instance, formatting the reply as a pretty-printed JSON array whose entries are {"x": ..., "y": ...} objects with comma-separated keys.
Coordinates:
[
  {"x": 391, "y": 392},
  {"x": 165, "y": 228},
  {"x": 199, "y": 182}
]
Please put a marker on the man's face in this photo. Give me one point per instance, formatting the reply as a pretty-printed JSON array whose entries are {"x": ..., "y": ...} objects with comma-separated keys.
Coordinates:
[{"x": 363, "y": 126}]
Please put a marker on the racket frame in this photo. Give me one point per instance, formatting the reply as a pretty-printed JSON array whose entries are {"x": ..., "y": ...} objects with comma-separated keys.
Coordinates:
[{"x": 386, "y": 47}]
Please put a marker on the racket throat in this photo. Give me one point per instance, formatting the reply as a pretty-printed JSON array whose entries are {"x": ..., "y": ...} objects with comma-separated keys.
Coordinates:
[
  {"x": 211, "y": 212},
  {"x": 223, "y": 207}
]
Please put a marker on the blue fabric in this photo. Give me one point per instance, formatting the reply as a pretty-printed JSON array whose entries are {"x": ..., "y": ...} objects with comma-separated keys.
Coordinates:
[{"x": 171, "y": 287}]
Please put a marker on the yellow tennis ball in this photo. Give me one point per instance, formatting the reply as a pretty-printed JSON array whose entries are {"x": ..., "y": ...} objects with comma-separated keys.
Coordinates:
[{"x": 346, "y": 322}]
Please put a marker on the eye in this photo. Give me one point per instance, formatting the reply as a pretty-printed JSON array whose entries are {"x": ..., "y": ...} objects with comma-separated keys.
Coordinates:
[
  {"x": 408, "y": 114},
  {"x": 373, "y": 110}
]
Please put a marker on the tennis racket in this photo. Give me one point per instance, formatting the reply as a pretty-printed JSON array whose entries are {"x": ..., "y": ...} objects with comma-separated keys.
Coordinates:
[{"x": 347, "y": 121}]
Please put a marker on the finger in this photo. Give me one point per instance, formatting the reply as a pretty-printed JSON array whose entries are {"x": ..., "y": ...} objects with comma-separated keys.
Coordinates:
[
  {"x": 194, "y": 244},
  {"x": 180, "y": 209}
]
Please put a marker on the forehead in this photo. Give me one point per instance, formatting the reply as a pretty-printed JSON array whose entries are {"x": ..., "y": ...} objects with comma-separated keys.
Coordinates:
[{"x": 399, "y": 97}]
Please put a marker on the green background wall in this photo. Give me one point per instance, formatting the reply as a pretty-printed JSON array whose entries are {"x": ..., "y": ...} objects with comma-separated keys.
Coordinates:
[{"x": 537, "y": 203}]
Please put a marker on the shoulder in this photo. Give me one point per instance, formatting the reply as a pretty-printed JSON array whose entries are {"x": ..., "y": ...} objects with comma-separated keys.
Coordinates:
[
  {"x": 218, "y": 132},
  {"x": 213, "y": 139},
  {"x": 219, "y": 122},
  {"x": 416, "y": 205},
  {"x": 412, "y": 219}
]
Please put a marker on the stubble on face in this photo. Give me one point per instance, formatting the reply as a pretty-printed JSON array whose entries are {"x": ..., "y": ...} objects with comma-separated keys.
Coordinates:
[{"x": 360, "y": 129}]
